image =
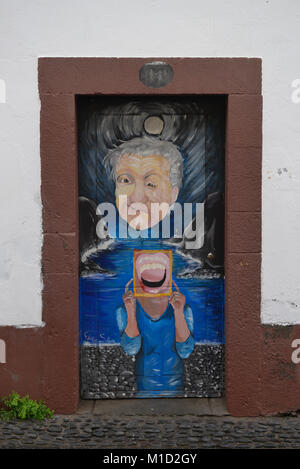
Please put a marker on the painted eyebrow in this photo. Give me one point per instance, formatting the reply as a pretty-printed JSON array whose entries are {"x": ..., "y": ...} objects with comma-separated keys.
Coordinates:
[
  {"x": 125, "y": 174},
  {"x": 151, "y": 173}
]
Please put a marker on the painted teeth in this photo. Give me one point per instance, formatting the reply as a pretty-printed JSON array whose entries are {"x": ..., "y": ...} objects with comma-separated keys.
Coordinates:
[
  {"x": 163, "y": 259},
  {"x": 152, "y": 266}
]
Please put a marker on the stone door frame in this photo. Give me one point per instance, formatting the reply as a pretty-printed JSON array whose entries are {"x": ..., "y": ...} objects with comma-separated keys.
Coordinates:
[{"x": 60, "y": 81}]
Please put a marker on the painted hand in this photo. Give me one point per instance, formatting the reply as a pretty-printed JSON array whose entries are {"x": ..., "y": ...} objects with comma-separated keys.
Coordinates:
[
  {"x": 177, "y": 300},
  {"x": 129, "y": 299}
]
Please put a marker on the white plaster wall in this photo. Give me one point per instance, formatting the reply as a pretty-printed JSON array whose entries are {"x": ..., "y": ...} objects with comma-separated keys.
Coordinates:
[{"x": 29, "y": 29}]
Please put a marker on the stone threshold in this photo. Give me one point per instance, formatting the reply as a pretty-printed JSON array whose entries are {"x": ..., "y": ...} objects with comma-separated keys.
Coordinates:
[{"x": 155, "y": 407}]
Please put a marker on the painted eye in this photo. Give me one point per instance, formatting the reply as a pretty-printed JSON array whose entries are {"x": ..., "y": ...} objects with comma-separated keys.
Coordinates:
[
  {"x": 150, "y": 184},
  {"x": 124, "y": 179}
]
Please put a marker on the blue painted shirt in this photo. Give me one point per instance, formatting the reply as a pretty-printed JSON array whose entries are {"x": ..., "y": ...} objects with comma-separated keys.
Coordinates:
[{"x": 158, "y": 365}]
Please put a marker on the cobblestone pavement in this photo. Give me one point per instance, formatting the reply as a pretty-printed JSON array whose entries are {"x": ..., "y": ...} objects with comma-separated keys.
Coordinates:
[
  {"x": 92, "y": 430},
  {"x": 153, "y": 432}
]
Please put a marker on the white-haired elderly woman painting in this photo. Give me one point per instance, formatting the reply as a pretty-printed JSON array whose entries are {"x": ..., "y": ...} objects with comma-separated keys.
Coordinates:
[{"x": 147, "y": 173}]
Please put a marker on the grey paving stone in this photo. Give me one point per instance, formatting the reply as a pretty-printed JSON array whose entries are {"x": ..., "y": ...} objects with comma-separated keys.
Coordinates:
[
  {"x": 154, "y": 432},
  {"x": 160, "y": 407},
  {"x": 217, "y": 407}
]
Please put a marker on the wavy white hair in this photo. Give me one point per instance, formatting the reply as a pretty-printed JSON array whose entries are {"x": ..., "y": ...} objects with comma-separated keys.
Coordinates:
[{"x": 146, "y": 146}]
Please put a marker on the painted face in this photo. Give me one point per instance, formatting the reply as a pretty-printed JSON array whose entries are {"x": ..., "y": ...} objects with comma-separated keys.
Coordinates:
[
  {"x": 143, "y": 189},
  {"x": 152, "y": 273}
]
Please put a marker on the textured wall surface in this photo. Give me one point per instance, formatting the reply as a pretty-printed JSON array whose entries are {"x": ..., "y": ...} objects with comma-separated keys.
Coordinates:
[{"x": 141, "y": 28}]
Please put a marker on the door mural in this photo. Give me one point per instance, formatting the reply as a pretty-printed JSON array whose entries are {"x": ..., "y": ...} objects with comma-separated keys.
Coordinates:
[{"x": 151, "y": 240}]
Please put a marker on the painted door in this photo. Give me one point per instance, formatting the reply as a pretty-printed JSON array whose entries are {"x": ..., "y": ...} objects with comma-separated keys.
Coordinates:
[{"x": 151, "y": 226}]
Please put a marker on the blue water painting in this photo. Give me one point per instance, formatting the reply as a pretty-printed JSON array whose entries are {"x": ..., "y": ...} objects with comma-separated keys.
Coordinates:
[{"x": 101, "y": 294}]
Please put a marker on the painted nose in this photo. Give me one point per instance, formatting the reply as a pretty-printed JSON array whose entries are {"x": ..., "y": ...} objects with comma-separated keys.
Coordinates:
[{"x": 138, "y": 194}]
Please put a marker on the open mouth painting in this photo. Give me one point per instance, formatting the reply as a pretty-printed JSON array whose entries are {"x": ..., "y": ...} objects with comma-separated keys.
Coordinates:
[{"x": 152, "y": 273}]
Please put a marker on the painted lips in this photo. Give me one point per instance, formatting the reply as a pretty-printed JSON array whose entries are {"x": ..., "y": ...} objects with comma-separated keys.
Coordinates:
[{"x": 153, "y": 272}]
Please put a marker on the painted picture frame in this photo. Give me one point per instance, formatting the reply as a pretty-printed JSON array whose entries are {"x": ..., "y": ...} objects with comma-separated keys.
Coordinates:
[{"x": 137, "y": 289}]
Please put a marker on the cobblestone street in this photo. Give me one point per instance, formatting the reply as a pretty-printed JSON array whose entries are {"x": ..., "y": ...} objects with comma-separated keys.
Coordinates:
[{"x": 98, "y": 425}]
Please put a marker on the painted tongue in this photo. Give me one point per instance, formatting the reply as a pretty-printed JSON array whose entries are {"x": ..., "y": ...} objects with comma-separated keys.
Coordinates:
[{"x": 153, "y": 275}]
